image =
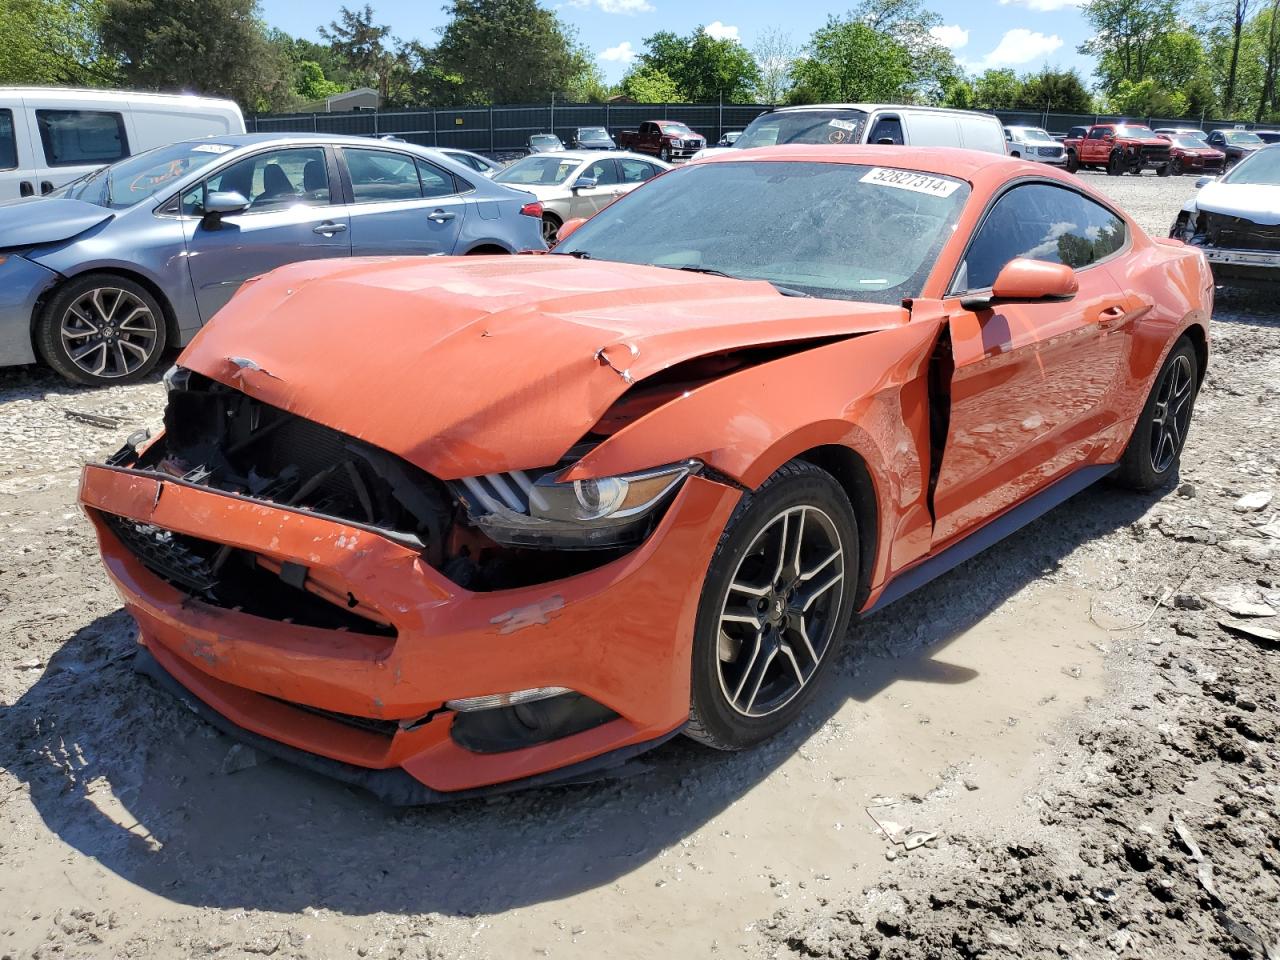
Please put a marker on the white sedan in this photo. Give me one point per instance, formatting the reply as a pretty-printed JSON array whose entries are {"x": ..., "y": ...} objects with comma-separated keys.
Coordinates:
[{"x": 578, "y": 183}]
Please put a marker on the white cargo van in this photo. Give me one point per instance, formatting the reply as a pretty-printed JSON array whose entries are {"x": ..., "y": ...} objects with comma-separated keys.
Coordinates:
[
  {"x": 50, "y": 136},
  {"x": 848, "y": 123}
]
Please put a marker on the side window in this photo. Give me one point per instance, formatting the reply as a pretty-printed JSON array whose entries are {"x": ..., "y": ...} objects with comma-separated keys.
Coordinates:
[
  {"x": 1040, "y": 222},
  {"x": 1097, "y": 133},
  {"x": 887, "y": 130},
  {"x": 933, "y": 130},
  {"x": 269, "y": 181},
  {"x": 435, "y": 182},
  {"x": 463, "y": 158},
  {"x": 78, "y": 137},
  {"x": 8, "y": 142},
  {"x": 636, "y": 171},
  {"x": 379, "y": 175},
  {"x": 603, "y": 172}
]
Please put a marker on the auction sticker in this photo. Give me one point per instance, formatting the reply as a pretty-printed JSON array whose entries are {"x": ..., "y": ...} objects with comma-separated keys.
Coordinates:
[
  {"x": 910, "y": 180},
  {"x": 211, "y": 148}
]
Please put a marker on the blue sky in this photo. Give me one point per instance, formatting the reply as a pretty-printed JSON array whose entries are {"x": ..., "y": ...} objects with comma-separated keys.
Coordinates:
[{"x": 1021, "y": 34}]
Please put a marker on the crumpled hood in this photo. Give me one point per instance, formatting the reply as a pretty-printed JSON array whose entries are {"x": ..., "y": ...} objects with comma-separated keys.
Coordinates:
[
  {"x": 467, "y": 366},
  {"x": 1255, "y": 202},
  {"x": 33, "y": 221}
]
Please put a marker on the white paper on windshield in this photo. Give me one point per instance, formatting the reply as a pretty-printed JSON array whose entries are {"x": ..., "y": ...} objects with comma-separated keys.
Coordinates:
[
  {"x": 210, "y": 148},
  {"x": 842, "y": 124},
  {"x": 910, "y": 180}
]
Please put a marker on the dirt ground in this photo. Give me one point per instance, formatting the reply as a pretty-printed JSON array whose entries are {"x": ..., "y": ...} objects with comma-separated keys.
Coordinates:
[{"x": 1087, "y": 773}]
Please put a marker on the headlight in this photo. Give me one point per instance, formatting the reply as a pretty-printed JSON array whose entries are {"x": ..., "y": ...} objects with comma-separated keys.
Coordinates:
[{"x": 538, "y": 511}]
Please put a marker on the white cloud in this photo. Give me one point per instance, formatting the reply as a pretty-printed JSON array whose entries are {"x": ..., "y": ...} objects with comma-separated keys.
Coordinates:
[
  {"x": 720, "y": 31},
  {"x": 1020, "y": 45},
  {"x": 615, "y": 6},
  {"x": 951, "y": 36},
  {"x": 1043, "y": 6},
  {"x": 622, "y": 53}
]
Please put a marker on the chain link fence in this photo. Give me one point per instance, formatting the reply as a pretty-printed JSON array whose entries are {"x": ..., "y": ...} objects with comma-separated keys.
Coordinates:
[{"x": 505, "y": 130}]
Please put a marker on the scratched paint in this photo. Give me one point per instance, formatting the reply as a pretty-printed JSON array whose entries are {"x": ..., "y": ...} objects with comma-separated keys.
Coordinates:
[{"x": 530, "y": 615}]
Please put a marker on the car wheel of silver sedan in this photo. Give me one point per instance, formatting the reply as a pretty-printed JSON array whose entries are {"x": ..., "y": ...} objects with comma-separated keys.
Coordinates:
[
  {"x": 775, "y": 604},
  {"x": 102, "y": 329},
  {"x": 550, "y": 227}
]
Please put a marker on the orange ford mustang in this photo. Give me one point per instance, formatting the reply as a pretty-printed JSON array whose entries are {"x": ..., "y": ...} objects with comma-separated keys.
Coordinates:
[{"x": 451, "y": 525}]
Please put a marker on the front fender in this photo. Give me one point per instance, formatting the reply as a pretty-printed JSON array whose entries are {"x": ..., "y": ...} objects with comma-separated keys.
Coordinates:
[{"x": 867, "y": 393}]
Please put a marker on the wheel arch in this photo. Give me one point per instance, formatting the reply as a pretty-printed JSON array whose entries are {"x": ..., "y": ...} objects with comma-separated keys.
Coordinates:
[
  {"x": 1200, "y": 340},
  {"x": 851, "y": 472},
  {"x": 153, "y": 288},
  {"x": 487, "y": 247}
]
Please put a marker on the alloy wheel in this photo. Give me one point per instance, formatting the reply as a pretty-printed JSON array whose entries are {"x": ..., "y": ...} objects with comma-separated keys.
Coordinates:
[
  {"x": 780, "y": 611},
  {"x": 108, "y": 332},
  {"x": 549, "y": 230},
  {"x": 1172, "y": 414}
]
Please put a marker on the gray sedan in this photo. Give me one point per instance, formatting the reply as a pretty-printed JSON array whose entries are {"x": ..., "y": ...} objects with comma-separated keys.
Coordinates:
[{"x": 103, "y": 274}]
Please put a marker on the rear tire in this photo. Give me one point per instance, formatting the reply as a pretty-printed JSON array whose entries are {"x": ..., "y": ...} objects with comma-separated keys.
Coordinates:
[
  {"x": 1151, "y": 459},
  {"x": 775, "y": 606},
  {"x": 102, "y": 329},
  {"x": 550, "y": 226}
]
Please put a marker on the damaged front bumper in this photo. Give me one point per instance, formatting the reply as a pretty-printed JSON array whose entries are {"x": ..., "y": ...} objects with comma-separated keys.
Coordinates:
[{"x": 368, "y": 691}]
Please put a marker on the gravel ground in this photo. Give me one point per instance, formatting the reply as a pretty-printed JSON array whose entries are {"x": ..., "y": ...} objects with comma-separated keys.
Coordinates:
[{"x": 1098, "y": 771}]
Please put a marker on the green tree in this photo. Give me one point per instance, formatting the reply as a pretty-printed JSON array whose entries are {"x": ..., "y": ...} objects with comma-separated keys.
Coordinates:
[
  {"x": 1146, "y": 98},
  {"x": 775, "y": 55},
  {"x": 508, "y": 51},
  {"x": 909, "y": 22},
  {"x": 848, "y": 61},
  {"x": 205, "y": 46},
  {"x": 1266, "y": 28},
  {"x": 53, "y": 42},
  {"x": 361, "y": 45},
  {"x": 704, "y": 68},
  {"x": 310, "y": 83},
  {"x": 997, "y": 90},
  {"x": 650, "y": 85},
  {"x": 959, "y": 93},
  {"x": 1055, "y": 90},
  {"x": 1128, "y": 36}
]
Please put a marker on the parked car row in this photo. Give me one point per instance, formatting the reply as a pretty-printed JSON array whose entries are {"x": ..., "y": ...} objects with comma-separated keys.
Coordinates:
[{"x": 1121, "y": 148}]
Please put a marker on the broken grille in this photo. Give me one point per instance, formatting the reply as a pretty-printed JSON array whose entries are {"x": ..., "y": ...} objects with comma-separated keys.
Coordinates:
[{"x": 1238, "y": 233}]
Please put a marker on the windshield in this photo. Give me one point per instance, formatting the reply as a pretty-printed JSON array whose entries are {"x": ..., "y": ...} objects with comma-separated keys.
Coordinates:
[
  {"x": 835, "y": 230},
  {"x": 1187, "y": 142},
  {"x": 837, "y": 125},
  {"x": 544, "y": 138},
  {"x": 677, "y": 128},
  {"x": 1136, "y": 131},
  {"x": 544, "y": 171},
  {"x": 593, "y": 133},
  {"x": 135, "y": 178},
  {"x": 1259, "y": 169},
  {"x": 1242, "y": 137},
  {"x": 1035, "y": 134}
]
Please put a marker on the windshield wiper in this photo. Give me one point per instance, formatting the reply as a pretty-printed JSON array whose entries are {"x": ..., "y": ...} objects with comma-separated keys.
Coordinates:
[
  {"x": 577, "y": 254},
  {"x": 712, "y": 271}
]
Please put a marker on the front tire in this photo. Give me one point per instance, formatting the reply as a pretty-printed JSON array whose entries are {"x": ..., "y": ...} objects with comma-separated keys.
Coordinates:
[
  {"x": 775, "y": 604},
  {"x": 1176, "y": 164},
  {"x": 1155, "y": 449},
  {"x": 664, "y": 154},
  {"x": 102, "y": 329},
  {"x": 1073, "y": 162},
  {"x": 1165, "y": 170},
  {"x": 1115, "y": 165}
]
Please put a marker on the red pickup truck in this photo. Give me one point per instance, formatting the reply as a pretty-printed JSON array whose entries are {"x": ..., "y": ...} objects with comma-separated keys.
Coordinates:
[
  {"x": 1119, "y": 148},
  {"x": 665, "y": 139}
]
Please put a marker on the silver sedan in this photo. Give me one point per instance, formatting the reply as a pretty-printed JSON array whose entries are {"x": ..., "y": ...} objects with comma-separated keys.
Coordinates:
[{"x": 578, "y": 183}]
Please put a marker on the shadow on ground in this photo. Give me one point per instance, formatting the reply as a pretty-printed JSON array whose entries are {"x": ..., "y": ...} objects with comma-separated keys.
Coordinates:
[{"x": 127, "y": 777}]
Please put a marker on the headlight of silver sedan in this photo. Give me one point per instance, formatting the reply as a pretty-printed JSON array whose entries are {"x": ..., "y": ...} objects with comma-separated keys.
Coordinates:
[{"x": 533, "y": 509}]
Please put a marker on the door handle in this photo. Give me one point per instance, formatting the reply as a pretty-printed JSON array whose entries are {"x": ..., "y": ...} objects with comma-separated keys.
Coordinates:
[
  {"x": 46, "y": 186},
  {"x": 328, "y": 229},
  {"x": 441, "y": 216},
  {"x": 26, "y": 189},
  {"x": 1111, "y": 316}
]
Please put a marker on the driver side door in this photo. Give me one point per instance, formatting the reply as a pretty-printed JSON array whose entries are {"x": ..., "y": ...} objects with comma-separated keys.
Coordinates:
[
  {"x": 293, "y": 215},
  {"x": 1032, "y": 387}
]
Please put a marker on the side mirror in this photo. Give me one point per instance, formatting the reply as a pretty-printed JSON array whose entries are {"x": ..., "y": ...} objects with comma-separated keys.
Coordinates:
[
  {"x": 1204, "y": 182},
  {"x": 885, "y": 141},
  {"x": 568, "y": 227},
  {"x": 1027, "y": 281},
  {"x": 225, "y": 201},
  {"x": 583, "y": 183}
]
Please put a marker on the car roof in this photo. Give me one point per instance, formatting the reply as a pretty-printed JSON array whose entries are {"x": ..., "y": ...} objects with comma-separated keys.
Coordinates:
[
  {"x": 869, "y": 107},
  {"x": 581, "y": 155},
  {"x": 942, "y": 161},
  {"x": 139, "y": 96}
]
